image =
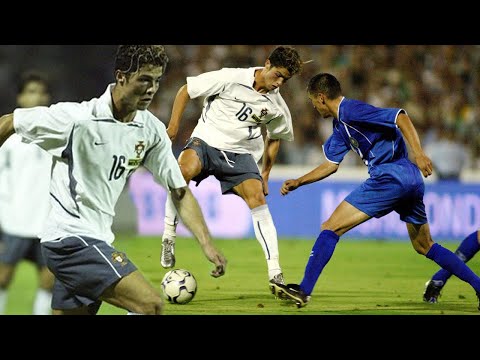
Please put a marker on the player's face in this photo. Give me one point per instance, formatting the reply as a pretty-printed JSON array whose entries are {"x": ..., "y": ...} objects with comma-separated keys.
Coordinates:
[
  {"x": 275, "y": 77},
  {"x": 34, "y": 94},
  {"x": 319, "y": 105},
  {"x": 140, "y": 88}
]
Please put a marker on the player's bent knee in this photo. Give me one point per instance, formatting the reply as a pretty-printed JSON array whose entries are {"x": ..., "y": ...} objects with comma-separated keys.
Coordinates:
[
  {"x": 152, "y": 307},
  {"x": 421, "y": 248}
]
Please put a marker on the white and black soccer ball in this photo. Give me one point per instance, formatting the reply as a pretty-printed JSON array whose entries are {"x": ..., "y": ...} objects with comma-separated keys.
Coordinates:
[{"x": 179, "y": 286}]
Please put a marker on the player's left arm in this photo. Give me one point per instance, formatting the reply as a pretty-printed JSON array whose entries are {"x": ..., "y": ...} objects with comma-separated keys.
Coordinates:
[
  {"x": 6, "y": 127},
  {"x": 272, "y": 146},
  {"x": 409, "y": 132}
]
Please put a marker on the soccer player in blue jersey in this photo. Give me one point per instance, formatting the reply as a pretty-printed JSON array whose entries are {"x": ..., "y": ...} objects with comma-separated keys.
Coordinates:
[
  {"x": 466, "y": 251},
  {"x": 95, "y": 146},
  {"x": 395, "y": 183}
]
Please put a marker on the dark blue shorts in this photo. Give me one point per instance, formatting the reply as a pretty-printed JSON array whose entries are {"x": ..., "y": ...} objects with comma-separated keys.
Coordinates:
[
  {"x": 396, "y": 186},
  {"x": 84, "y": 268},
  {"x": 231, "y": 169},
  {"x": 16, "y": 248}
]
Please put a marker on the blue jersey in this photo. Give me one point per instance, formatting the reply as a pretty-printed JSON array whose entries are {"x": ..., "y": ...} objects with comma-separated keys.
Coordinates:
[
  {"x": 369, "y": 131},
  {"x": 395, "y": 183}
]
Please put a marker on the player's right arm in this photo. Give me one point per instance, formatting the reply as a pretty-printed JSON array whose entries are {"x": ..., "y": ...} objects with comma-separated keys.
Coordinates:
[
  {"x": 179, "y": 105},
  {"x": 6, "y": 127},
  {"x": 321, "y": 172},
  {"x": 191, "y": 214},
  {"x": 409, "y": 132}
]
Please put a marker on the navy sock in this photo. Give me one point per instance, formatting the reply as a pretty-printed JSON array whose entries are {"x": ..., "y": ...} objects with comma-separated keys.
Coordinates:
[
  {"x": 467, "y": 250},
  {"x": 321, "y": 253},
  {"x": 450, "y": 262}
]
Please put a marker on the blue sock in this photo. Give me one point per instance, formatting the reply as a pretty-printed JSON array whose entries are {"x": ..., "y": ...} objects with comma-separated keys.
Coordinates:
[
  {"x": 321, "y": 253},
  {"x": 467, "y": 250},
  {"x": 452, "y": 263}
]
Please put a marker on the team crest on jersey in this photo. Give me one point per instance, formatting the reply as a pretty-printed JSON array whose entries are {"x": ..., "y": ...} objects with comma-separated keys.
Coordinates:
[
  {"x": 354, "y": 142},
  {"x": 118, "y": 257},
  {"x": 263, "y": 113},
  {"x": 139, "y": 149},
  {"x": 196, "y": 142}
]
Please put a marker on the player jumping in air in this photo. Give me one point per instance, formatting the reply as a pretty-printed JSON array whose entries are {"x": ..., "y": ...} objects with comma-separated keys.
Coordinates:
[{"x": 228, "y": 143}]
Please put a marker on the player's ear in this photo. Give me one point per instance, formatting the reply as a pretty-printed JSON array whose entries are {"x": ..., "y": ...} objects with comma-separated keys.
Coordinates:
[
  {"x": 120, "y": 77},
  {"x": 267, "y": 64}
]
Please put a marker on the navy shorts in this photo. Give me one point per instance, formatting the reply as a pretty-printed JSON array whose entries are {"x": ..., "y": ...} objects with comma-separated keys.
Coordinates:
[
  {"x": 13, "y": 249},
  {"x": 396, "y": 186},
  {"x": 84, "y": 268},
  {"x": 231, "y": 169}
]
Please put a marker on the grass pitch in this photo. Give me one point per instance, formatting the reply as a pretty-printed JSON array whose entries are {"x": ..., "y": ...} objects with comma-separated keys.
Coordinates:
[{"x": 362, "y": 278}]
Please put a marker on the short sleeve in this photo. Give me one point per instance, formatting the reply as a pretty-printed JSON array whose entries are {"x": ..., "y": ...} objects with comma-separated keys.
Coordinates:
[
  {"x": 47, "y": 127},
  {"x": 281, "y": 127},
  {"x": 206, "y": 84},
  {"x": 335, "y": 148}
]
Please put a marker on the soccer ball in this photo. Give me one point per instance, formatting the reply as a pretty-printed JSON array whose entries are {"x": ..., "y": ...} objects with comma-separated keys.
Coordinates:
[{"x": 179, "y": 286}]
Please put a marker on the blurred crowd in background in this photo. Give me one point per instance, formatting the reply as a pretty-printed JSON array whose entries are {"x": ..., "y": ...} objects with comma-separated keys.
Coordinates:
[{"x": 438, "y": 85}]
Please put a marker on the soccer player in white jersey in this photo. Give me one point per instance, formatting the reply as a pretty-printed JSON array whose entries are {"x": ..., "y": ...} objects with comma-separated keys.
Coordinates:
[
  {"x": 96, "y": 145},
  {"x": 25, "y": 172},
  {"x": 228, "y": 143}
]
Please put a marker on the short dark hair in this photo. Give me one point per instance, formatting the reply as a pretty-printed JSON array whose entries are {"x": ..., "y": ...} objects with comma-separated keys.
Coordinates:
[
  {"x": 326, "y": 84},
  {"x": 286, "y": 57},
  {"x": 33, "y": 76},
  {"x": 130, "y": 58}
]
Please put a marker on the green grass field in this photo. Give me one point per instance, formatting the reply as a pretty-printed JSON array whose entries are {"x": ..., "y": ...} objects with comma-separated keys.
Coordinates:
[{"x": 363, "y": 277}]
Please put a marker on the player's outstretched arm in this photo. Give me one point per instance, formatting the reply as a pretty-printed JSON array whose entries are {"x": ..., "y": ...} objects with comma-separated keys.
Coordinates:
[
  {"x": 192, "y": 216},
  {"x": 410, "y": 134},
  {"x": 319, "y": 173},
  {"x": 179, "y": 105},
  {"x": 6, "y": 127}
]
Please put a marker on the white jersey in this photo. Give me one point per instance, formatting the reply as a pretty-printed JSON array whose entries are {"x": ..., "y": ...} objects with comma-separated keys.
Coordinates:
[
  {"x": 25, "y": 181},
  {"x": 93, "y": 157},
  {"x": 234, "y": 112}
]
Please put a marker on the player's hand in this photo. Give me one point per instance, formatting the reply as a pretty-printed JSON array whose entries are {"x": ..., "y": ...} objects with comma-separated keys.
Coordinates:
[
  {"x": 219, "y": 271},
  {"x": 172, "y": 133},
  {"x": 265, "y": 188},
  {"x": 424, "y": 164},
  {"x": 218, "y": 259},
  {"x": 288, "y": 186}
]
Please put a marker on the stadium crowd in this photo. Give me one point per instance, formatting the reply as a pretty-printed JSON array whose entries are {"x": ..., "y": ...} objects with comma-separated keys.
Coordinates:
[{"x": 439, "y": 85}]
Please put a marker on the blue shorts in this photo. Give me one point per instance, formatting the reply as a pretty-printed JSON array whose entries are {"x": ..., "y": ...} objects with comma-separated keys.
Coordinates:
[
  {"x": 396, "y": 186},
  {"x": 84, "y": 268},
  {"x": 231, "y": 169},
  {"x": 16, "y": 248}
]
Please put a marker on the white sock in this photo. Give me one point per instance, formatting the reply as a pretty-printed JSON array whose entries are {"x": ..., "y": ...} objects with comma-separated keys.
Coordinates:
[
  {"x": 266, "y": 234},
  {"x": 132, "y": 313},
  {"x": 171, "y": 219},
  {"x": 43, "y": 303},
  {"x": 3, "y": 301}
]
